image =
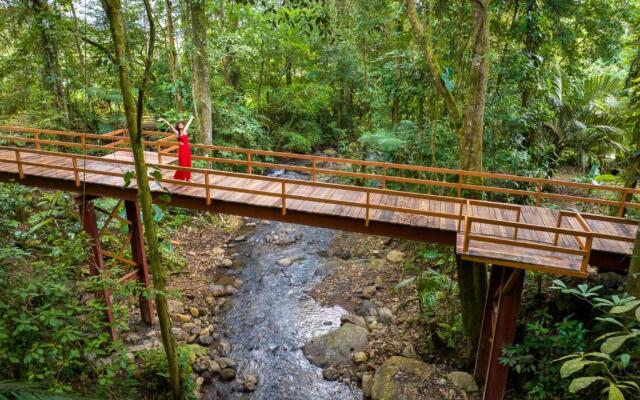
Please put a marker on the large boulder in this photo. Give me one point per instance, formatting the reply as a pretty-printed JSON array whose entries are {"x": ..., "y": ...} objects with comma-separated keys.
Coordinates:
[
  {"x": 400, "y": 378},
  {"x": 337, "y": 346}
]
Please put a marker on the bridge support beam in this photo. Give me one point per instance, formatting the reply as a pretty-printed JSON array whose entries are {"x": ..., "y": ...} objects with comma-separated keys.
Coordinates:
[
  {"x": 139, "y": 257},
  {"x": 97, "y": 267},
  {"x": 498, "y": 328}
]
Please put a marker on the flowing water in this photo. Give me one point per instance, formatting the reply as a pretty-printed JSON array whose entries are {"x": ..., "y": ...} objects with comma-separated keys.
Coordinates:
[{"x": 273, "y": 315}]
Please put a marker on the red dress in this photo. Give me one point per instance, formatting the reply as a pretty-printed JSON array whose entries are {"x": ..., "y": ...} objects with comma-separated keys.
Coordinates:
[{"x": 184, "y": 158}]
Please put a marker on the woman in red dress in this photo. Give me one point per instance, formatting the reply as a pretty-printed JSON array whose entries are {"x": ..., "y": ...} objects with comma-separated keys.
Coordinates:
[{"x": 184, "y": 150}]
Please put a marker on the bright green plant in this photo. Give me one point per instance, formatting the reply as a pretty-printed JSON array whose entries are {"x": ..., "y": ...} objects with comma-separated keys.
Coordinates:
[
  {"x": 615, "y": 368},
  {"x": 544, "y": 341}
]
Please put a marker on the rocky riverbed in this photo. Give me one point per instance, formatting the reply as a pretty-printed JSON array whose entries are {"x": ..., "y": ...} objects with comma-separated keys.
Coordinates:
[{"x": 294, "y": 312}]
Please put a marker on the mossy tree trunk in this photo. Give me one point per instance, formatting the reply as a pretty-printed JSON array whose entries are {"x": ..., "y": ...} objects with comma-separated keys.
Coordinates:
[
  {"x": 133, "y": 114},
  {"x": 633, "y": 83},
  {"x": 176, "y": 75},
  {"x": 197, "y": 10},
  {"x": 472, "y": 280}
]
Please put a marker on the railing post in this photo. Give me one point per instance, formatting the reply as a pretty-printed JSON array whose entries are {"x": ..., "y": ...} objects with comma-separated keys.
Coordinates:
[
  {"x": 460, "y": 216},
  {"x": 20, "y": 170},
  {"x": 384, "y": 177},
  {"x": 284, "y": 198},
  {"x": 587, "y": 254},
  {"x": 538, "y": 192},
  {"x": 467, "y": 231},
  {"x": 159, "y": 153},
  {"x": 515, "y": 230},
  {"x": 37, "y": 140},
  {"x": 313, "y": 169},
  {"x": 249, "y": 157},
  {"x": 558, "y": 224},
  {"x": 207, "y": 188},
  {"x": 366, "y": 218},
  {"x": 623, "y": 200},
  {"x": 460, "y": 179},
  {"x": 76, "y": 173}
]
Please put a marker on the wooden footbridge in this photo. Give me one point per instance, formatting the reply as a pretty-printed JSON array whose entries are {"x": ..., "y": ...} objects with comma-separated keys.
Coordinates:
[{"x": 430, "y": 204}]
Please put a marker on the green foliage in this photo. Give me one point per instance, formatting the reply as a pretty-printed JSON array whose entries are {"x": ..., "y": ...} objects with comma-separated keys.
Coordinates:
[
  {"x": 543, "y": 342},
  {"x": 10, "y": 390},
  {"x": 615, "y": 366},
  {"x": 437, "y": 294},
  {"x": 51, "y": 325},
  {"x": 155, "y": 372}
]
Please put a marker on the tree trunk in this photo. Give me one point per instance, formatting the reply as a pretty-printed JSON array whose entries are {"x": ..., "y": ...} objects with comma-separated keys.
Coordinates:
[
  {"x": 176, "y": 75},
  {"x": 633, "y": 276},
  {"x": 113, "y": 11},
  {"x": 200, "y": 67},
  {"x": 472, "y": 281},
  {"x": 45, "y": 26},
  {"x": 471, "y": 136}
]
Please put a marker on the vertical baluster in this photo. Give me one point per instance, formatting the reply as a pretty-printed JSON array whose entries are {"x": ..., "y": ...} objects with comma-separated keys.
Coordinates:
[
  {"x": 313, "y": 169},
  {"x": 20, "y": 170},
  {"x": 206, "y": 187},
  {"x": 37, "y": 140},
  {"x": 249, "y": 158},
  {"x": 366, "y": 219},
  {"x": 76, "y": 173},
  {"x": 284, "y": 198}
]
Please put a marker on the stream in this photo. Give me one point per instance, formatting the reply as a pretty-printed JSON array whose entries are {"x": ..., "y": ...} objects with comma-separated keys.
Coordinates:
[{"x": 273, "y": 315}]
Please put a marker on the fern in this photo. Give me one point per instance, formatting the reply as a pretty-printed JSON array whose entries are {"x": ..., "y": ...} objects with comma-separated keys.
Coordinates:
[{"x": 19, "y": 390}]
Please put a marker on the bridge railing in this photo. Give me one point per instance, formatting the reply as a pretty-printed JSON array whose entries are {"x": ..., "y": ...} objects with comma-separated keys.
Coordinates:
[{"x": 318, "y": 166}]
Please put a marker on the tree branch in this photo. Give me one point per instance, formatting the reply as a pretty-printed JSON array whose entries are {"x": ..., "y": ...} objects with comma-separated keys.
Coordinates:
[
  {"x": 424, "y": 42},
  {"x": 148, "y": 63},
  {"x": 100, "y": 47}
]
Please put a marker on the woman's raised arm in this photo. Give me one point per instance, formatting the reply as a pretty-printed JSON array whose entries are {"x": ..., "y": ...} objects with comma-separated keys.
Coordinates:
[
  {"x": 186, "y": 127},
  {"x": 170, "y": 126}
]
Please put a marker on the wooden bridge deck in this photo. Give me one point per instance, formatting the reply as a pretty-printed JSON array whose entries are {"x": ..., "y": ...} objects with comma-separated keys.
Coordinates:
[{"x": 490, "y": 238}]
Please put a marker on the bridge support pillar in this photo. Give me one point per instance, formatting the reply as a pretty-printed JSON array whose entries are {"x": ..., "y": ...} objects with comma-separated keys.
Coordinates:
[
  {"x": 498, "y": 328},
  {"x": 140, "y": 258},
  {"x": 97, "y": 265}
]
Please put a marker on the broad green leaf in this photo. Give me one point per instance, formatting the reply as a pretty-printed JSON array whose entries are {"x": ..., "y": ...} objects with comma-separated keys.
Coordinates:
[
  {"x": 611, "y": 320},
  {"x": 583, "y": 382},
  {"x": 638, "y": 313},
  {"x": 624, "y": 308},
  {"x": 572, "y": 366},
  {"x": 624, "y": 359},
  {"x": 613, "y": 343},
  {"x": 614, "y": 392}
]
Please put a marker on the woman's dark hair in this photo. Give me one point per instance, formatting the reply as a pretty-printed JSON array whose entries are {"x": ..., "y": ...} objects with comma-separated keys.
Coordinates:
[{"x": 178, "y": 125}]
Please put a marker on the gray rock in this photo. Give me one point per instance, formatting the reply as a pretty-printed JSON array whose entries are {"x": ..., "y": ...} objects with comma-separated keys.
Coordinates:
[
  {"x": 409, "y": 351},
  {"x": 367, "y": 308},
  {"x": 360, "y": 357},
  {"x": 226, "y": 263},
  {"x": 400, "y": 378},
  {"x": 330, "y": 374},
  {"x": 240, "y": 238},
  {"x": 230, "y": 289},
  {"x": 385, "y": 315},
  {"x": 367, "y": 383},
  {"x": 216, "y": 290},
  {"x": 353, "y": 319},
  {"x": 226, "y": 362},
  {"x": 250, "y": 383},
  {"x": 285, "y": 262},
  {"x": 205, "y": 340},
  {"x": 224, "y": 347},
  {"x": 228, "y": 374},
  {"x": 175, "y": 307},
  {"x": 378, "y": 283},
  {"x": 368, "y": 292},
  {"x": 395, "y": 256},
  {"x": 463, "y": 381},
  {"x": 337, "y": 346}
]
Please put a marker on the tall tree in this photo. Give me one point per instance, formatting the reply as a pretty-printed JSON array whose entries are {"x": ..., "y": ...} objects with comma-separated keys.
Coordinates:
[
  {"x": 470, "y": 131},
  {"x": 633, "y": 83},
  {"x": 133, "y": 114},
  {"x": 197, "y": 10},
  {"x": 45, "y": 27},
  {"x": 176, "y": 74}
]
